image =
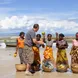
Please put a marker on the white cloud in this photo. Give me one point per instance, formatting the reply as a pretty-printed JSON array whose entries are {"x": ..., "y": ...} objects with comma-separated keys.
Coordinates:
[{"x": 45, "y": 24}]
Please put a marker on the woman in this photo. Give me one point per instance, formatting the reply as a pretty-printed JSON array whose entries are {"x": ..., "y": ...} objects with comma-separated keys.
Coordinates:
[
  {"x": 37, "y": 62},
  {"x": 61, "y": 44},
  {"x": 48, "y": 53},
  {"x": 74, "y": 51},
  {"x": 20, "y": 45}
]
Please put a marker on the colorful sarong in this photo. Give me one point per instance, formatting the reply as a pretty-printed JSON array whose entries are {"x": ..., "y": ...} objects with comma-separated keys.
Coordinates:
[
  {"x": 48, "y": 53},
  {"x": 74, "y": 55},
  {"x": 61, "y": 57},
  {"x": 36, "y": 55},
  {"x": 27, "y": 55}
]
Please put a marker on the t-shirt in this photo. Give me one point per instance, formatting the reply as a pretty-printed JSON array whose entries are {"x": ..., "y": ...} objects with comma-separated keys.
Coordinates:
[
  {"x": 61, "y": 42},
  {"x": 49, "y": 43},
  {"x": 38, "y": 45},
  {"x": 75, "y": 42},
  {"x": 30, "y": 35}
]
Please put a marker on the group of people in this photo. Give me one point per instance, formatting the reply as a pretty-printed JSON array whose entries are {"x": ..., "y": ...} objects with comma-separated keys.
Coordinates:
[{"x": 29, "y": 53}]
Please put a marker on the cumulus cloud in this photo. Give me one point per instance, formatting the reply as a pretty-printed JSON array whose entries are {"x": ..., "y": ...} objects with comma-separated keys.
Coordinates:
[{"x": 46, "y": 24}]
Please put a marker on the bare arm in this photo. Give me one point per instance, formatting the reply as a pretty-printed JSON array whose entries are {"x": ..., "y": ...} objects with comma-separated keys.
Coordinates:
[
  {"x": 16, "y": 46},
  {"x": 57, "y": 45},
  {"x": 38, "y": 42},
  {"x": 44, "y": 39},
  {"x": 71, "y": 50},
  {"x": 65, "y": 46},
  {"x": 57, "y": 37}
]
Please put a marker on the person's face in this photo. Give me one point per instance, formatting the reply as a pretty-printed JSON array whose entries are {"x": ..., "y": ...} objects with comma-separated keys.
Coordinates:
[
  {"x": 60, "y": 38},
  {"x": 49, "y": 37},
  {"x": 22, "y": 36},
  {"x": 38, "y": 38},
  {"x": 77, "y": 36},
  {"x": 36, "y": 29}
]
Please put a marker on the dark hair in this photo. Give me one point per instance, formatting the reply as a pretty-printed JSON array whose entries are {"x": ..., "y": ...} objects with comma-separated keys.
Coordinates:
[
  {"x": 35, "y": 26},
  {"x": 38, "y": 35},
  {"x": 21, "y": 33},
  {"x": 49, "y": 35},
  {"x": 61, "y": 35},
  {"x": 76, "y": 33}
]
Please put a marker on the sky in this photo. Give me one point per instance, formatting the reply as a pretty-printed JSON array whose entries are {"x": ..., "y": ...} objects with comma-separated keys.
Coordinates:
[{"x": 52, "y": 15}]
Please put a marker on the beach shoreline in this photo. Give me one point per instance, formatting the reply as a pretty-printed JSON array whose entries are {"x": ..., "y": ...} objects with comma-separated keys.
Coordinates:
[{"x": 8, "y": 61}]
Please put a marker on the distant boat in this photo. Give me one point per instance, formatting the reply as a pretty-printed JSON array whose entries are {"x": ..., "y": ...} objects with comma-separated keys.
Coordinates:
[
  {"x": 10, "y": 43},
  {"x": 2, "y": 45}
]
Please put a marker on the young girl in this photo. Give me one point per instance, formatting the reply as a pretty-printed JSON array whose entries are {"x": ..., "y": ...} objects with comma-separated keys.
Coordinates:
[
  {"x": 61, "y": 44},
  {"x": 74, "y": 51},
  {"x": 20, "y": 45},
  {"x": 37, "y": 62},
  {"x": 48, "y": 53}
]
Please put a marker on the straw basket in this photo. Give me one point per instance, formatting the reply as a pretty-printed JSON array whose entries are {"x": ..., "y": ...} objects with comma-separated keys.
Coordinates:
[
  {"x": 20, "y": 67},
  {"x": 74, "y": 68},
  {"x": 45, "y": 68},
  {"x": 62, "y": 68}
]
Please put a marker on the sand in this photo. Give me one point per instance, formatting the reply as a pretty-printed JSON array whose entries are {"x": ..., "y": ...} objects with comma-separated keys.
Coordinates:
[{"x": 7, "y": 66}]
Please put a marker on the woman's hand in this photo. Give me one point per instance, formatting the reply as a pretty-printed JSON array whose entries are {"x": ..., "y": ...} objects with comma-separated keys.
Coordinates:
[
  {"x": 57, "y": 34},
  {"x": 43, "y": 46},
  {"x": 16, "y": 52},
  {"x": 41, "y": 42},
  {"x": 62, "y": 46}
]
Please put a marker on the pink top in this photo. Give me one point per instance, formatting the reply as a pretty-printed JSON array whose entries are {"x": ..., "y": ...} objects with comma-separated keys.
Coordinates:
[{"x": 75, "y": 42}]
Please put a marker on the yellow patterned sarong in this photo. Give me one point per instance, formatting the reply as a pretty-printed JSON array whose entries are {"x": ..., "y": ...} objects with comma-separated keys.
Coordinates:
[
  {"x": 61, "y": 57},
  {"x": 48, "y": 53},
  {"x": 36, "y": 55}
]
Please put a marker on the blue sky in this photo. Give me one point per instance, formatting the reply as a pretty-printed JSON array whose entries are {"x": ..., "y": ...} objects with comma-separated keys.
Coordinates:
[
  {"x": 56, "y": 15},
  {"x": 16, "y": 7}
]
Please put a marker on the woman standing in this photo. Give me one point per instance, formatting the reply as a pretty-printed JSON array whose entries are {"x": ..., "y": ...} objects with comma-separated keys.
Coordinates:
[
  {"x": 48, "y": 53},
  {"x": 20, "y": 45},
  {"x": 74, "y": 51},
  {"x": 61, "y": 44},
  {"x": 37, "y": 61}
]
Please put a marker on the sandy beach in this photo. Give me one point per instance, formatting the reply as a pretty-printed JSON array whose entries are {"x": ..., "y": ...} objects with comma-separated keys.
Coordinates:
[{"x": 7, "y": 66}]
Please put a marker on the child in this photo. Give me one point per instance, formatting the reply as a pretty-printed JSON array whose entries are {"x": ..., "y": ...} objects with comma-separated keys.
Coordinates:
[
  {"x": 37, "y": 62},
  {"x": 20, "y": 45},
  {"x": 61, "y": 44},
  {"x": 48, "y": 53}
]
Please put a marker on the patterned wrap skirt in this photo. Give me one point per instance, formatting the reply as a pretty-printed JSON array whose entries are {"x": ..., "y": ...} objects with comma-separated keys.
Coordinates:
[
  {"x": 27, "y": 55},
  {"x": 74, "y": 55},
  {"x": 36, "y": 55},
  {"x": 20, "y": 54},
  {"x": 48, "y": 53},
  {"x": 62, "y": 57}
]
